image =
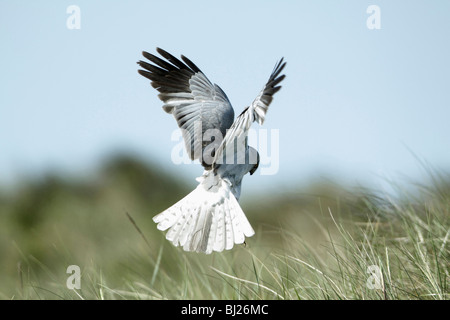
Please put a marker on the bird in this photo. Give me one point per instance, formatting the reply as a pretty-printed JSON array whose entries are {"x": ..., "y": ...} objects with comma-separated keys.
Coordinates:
[{"x": 209, "y": 218}]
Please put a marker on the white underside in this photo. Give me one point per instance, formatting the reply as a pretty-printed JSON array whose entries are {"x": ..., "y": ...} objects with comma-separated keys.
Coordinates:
[{"x": 207, "y": 219}]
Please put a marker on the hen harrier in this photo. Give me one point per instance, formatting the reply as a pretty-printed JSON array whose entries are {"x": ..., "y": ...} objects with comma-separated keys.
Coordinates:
[{"x": 209, "y": 218}]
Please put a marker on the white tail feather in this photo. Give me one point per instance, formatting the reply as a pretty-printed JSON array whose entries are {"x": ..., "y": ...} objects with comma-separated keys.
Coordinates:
[{"x": 207, "y": 219}]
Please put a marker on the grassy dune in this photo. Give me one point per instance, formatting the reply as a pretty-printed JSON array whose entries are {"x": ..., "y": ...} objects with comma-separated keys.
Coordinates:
[{"x": 323, "y": 242}]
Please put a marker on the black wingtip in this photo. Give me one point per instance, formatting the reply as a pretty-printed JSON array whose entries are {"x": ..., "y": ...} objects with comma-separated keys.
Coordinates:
[
  {"x": 279, "y": 66},
  {"x": 190, "y": 64},
  {"x": 145, "y": 74},
  {"x": 160, "y": 51}
]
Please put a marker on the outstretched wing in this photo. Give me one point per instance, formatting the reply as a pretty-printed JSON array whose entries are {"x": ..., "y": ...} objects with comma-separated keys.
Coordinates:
[
  {"x": 236, "y": 137},
  {"x": 197, "y": 104}
]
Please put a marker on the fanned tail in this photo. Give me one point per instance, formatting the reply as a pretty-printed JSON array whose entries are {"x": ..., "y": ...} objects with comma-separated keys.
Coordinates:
[{"x": 207, "y": 219}]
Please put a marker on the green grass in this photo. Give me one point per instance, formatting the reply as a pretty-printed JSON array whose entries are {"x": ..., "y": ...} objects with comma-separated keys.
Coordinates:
[{"x": 317, "y": 243}]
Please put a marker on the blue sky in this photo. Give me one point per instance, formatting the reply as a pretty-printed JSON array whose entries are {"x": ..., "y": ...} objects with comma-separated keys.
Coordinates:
[{"x": 356, "y": 103}]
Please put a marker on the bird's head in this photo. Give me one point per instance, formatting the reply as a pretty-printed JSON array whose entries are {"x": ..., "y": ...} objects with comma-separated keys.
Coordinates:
[{"x": 253, "y": 155}]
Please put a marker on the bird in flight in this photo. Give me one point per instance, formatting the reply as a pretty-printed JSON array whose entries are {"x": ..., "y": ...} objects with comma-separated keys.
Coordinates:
[{"x": 210, "y": 217}]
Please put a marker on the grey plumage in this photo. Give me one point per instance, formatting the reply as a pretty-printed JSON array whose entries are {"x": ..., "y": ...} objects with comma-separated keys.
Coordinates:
[
  {"x": 209, "y": 218},
  {"x": 189, "y": 96}
]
